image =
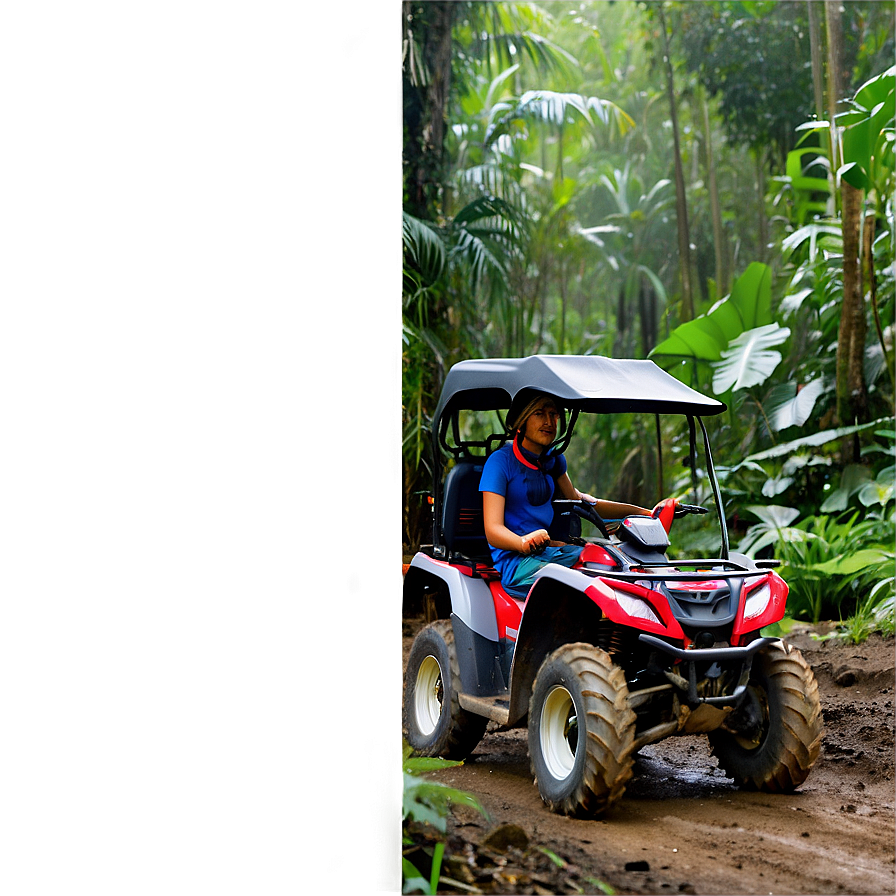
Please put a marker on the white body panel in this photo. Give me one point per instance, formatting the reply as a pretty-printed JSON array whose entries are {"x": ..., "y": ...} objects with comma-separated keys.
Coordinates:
[{"x": 471, "y": 600}]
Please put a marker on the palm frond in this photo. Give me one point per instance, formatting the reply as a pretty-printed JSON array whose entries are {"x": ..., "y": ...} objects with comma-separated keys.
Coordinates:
[{"x": 424, "y": 249}]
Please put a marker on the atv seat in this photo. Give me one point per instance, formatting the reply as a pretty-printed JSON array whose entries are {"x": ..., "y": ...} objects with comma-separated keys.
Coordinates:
[
  {"x": 463, "y": 530},
  {"x": 462, "y": 526}
]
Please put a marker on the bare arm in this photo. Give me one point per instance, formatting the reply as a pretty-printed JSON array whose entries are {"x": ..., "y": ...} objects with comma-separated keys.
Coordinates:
[
  {"x": 609, "y": 509},
  {"x": 499, "y": 535}
]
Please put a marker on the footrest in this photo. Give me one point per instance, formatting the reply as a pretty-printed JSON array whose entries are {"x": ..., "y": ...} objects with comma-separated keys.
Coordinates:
[{"x": 495, "y": 708}]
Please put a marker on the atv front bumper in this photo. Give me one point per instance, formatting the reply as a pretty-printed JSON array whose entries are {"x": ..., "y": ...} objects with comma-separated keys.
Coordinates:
[{"x": 722, "y": 655}]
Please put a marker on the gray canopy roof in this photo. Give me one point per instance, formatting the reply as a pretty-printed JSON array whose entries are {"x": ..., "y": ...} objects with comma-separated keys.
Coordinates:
[{"x": 591, "y": 383}]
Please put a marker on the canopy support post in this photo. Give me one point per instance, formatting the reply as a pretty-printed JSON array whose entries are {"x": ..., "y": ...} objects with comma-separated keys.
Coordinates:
[{"x": 714, "y": 482}]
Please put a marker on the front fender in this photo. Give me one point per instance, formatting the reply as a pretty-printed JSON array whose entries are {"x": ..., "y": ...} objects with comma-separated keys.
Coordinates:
[
  {"x": 620, "y": 601},
  {"x": 564, "y": 606}
]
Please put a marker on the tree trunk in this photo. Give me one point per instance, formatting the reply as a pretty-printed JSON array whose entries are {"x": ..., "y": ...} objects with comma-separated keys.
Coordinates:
[
  {"x": 852, "y": 396},
  {"x": 817, "y": 55},
  {"x": 835, "y": 74},
  {"x": 561, "y": 348},
  {"x": 681, "y": 208},
  {"x": 717, "y": 232},
  {"x": 437, "y": 52},
  {"x": 621, "y": 340}
]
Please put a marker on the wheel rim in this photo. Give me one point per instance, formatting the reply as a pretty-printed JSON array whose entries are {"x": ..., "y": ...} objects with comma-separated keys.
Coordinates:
[
  {"x": 559, "y": 732},
  {"x": 428, "y": 695}
]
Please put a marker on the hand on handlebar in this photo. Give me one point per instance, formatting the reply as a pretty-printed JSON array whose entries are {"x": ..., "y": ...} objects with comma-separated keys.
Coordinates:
[{"x": 670, "y": 509}]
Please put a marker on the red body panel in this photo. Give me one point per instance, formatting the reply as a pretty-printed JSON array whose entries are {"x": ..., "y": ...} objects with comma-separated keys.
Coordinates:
[
  {"x": 508, "y": 611},
  {"x": 665, "y": 512},
  {"x": 774, "y": 612},
  {"x": 594, "y": 553},
  {"x": 601, "y": 592}
]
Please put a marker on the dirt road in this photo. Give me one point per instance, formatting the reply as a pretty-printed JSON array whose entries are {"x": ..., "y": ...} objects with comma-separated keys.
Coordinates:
[{"x": 682, "y": 827}]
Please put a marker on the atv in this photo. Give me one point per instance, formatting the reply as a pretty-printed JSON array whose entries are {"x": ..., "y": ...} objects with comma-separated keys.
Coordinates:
[{"x": 624, "y": 649}]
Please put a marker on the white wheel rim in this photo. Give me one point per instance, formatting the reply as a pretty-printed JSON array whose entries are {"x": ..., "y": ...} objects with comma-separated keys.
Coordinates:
[
  {"x": 554, "y": 732},
  {"x": 427, "y": 695}
]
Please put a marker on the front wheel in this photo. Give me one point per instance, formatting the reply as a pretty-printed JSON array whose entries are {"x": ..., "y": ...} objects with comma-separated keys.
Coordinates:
[
  {"x": 581, "y": 731},
  {"x": 434, "y": 722},
  {"x": 773, "y": 739}
]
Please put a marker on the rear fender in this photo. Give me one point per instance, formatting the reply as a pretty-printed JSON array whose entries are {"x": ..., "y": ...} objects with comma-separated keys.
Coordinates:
[{"x": 471, "y": 599}]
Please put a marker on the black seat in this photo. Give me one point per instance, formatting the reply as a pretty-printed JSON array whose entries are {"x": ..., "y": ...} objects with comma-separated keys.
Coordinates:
[{"x": 462, "y": 526}]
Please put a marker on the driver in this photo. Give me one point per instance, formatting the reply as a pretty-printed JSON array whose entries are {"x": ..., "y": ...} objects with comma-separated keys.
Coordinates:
[{"x": 518, "y": 483}]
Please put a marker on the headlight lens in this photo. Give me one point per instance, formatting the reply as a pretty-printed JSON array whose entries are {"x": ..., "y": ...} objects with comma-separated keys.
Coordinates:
[
  {"x": 757, "y": 602},
  {"x": 636, "y": 607}
]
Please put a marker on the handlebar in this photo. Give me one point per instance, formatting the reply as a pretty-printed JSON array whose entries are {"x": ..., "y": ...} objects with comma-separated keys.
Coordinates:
[
  {"x": 587, "y": 512},
  {"x": 684, "y": 509}
]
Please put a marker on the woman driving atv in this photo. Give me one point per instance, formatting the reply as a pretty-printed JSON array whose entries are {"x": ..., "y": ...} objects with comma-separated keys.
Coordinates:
[{"x": 518, "y": 483}]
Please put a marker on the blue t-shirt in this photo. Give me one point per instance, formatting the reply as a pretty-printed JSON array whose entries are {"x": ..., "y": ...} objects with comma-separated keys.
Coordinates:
[{"x": 527, "y": 498}]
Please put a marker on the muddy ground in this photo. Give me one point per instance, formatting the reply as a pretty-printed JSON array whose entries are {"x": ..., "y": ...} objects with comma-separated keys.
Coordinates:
[{"x": 682, "y": 826}]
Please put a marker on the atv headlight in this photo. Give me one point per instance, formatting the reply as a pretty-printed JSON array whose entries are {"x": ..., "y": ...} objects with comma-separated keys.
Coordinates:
[
  {"x": 636, "y": 607},
  {"x": 757, "y": 602}
]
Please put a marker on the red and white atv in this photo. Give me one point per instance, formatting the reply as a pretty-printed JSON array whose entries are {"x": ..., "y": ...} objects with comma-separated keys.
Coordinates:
[{"x": 621, "y": 651}]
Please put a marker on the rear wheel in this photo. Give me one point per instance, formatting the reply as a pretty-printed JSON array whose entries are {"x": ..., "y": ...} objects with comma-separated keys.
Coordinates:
[
  {"x": 581, "y": 731},
  {"x": 774, "y": 738},
  {"x": 434, "y": 722}
]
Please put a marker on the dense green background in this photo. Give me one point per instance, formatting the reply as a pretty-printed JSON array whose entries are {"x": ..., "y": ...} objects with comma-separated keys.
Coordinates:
[{"x": 184, "y": 417}]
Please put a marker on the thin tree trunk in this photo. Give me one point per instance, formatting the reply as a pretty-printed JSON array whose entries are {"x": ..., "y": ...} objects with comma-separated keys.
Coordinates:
[
  {"x": 647, "y": 306},
  {"x": 681, "y": 208},
  {"x": 562, "y": 345},
  {"x": 817, "y": 55},
  {"x": 717, "y": 232},
  {"x": 816, "y": 43},
  {"x": 621, "y": 340},
  {"x": 835, "y": 74},
  {"x": 437, "y": 50},
  {"x": 852, "y": 396}
]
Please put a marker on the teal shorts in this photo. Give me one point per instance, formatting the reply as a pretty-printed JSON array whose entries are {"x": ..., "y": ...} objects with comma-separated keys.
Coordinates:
[{"x": 524, "y": 575}]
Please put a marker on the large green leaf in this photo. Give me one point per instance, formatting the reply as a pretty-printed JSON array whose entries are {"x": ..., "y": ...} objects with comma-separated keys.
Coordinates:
[
  {"x": 554, "y": 108},
  {"x": 423, "y": 247},
  {"x": 796, "y": 410},
  {"x": 852, "y": 563},
  {"x": 814, "y": 440},
  {"x": 852, "y": 479},
  {"x": 749, "y": 359},
  {"x": 706, "y": 337},
  {"x": 873, "y": 111}
]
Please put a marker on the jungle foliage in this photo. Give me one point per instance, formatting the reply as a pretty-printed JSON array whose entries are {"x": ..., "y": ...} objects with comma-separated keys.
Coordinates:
[{"x": 706, "y": 184}]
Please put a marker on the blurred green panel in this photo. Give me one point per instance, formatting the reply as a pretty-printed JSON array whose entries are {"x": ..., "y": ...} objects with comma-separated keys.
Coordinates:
[{"x": 199, "y": 383}]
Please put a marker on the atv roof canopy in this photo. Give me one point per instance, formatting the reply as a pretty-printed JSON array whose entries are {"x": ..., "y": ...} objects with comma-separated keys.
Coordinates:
[{"x": 590, "y": 383}]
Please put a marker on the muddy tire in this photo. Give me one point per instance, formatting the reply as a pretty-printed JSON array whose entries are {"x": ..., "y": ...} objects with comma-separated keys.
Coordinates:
[
  {"x": 780, "y": 722},
  {"x": 434, "y": 722},
  {"x": 581, "y": 731}
]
